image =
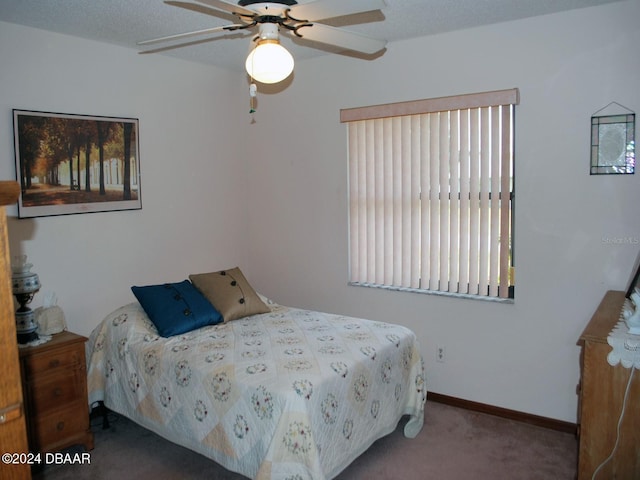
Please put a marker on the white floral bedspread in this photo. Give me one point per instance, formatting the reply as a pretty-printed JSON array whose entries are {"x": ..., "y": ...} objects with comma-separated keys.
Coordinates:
[{"x": 291, "y": 394}]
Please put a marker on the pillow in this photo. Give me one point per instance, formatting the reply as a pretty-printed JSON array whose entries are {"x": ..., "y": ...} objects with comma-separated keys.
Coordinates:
[
  {"x": 176, "y": 308},
  {"x": 230, "y": 293}
]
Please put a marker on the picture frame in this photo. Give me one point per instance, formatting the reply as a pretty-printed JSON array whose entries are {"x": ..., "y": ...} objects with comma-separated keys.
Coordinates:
[
  {"x": 71, "y": 163},
  {"x": 613, "y": 144}
]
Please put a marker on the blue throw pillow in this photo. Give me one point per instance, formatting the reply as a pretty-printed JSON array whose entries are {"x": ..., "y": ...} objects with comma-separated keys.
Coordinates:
[{"x": 176, "y": 308}]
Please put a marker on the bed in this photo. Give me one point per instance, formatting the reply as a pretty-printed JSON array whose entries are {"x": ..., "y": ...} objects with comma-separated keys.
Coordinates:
[{"x": 284, "y": 394}]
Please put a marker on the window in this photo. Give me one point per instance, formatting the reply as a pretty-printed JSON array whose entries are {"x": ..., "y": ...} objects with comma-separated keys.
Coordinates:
[{"x": 431, "y": 194}]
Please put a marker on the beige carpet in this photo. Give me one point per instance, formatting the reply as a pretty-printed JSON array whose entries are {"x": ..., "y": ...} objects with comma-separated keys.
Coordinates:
[{"x": 454, "y": 444}]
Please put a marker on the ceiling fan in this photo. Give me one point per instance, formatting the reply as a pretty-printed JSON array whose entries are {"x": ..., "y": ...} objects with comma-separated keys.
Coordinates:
[{"x": 270, "y": 62}]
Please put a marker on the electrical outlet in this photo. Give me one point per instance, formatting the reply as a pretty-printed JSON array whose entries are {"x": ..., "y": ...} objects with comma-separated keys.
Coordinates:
[{"x": 440, "y": 356}]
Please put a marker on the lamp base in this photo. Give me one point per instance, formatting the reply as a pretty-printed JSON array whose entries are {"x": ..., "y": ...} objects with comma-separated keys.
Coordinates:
[{"x": 27, "y": 337}]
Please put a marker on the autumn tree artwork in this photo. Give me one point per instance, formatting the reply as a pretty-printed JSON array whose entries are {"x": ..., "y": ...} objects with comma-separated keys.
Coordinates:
[{"x": 67, "y": 163}]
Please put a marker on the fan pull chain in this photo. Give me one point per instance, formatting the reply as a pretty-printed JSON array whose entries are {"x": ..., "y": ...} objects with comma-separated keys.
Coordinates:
[{"x": 253, "y": 91}]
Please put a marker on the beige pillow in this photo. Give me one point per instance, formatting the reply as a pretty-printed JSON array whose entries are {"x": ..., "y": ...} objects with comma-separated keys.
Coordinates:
[{"x": 230, "y": 293}]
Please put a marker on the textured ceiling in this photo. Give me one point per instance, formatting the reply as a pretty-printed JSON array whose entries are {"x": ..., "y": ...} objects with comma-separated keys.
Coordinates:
[{"x": 125, "y": 22}]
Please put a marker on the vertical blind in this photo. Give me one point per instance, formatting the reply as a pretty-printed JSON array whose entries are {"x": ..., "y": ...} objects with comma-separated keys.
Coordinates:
[{"x": 431, "y": 193}]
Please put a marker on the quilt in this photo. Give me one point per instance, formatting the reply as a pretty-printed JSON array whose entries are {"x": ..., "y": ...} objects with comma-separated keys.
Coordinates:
[{"x": 291, "y": 394}]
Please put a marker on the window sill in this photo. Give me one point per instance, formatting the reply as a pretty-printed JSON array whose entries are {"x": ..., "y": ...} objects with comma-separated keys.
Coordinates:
[{"x": 483, "y": 298}]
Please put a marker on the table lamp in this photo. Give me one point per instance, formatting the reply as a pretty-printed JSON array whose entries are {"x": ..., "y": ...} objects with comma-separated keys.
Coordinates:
[{"x": 25, "y": 284}]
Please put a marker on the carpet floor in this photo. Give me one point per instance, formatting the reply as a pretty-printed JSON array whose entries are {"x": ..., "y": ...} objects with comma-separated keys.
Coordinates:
[{"x": 454, "y": 444}]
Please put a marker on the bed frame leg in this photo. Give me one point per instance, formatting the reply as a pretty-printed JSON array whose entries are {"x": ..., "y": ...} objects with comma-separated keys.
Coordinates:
[
  {"x": 105, "y": 416},
  {"x": 101, "y": 410}
]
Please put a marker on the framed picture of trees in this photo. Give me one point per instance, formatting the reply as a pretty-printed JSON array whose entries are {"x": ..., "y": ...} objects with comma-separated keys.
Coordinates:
[{"x": 67, "y": 163}]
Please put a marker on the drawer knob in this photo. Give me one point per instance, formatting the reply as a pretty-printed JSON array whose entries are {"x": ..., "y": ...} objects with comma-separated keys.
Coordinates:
[
  {"x": 54, "y": 363},
  {"x": 57, "y": 392},
  {"x": 60, "y": 426}
]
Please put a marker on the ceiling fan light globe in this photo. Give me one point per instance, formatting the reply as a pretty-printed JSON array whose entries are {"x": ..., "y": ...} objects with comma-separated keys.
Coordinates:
[{"x": 269, "y": 62}]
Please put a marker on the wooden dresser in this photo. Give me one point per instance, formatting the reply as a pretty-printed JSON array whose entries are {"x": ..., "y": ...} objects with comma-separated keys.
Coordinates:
[
  {"x": 55, "y": 393},
  {"x": 602, "y": 392}
]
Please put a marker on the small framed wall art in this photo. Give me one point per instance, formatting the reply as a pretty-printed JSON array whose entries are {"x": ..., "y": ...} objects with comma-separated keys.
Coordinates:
[
  {"x": 613, "y": 141},
  {"x": 68, "y": 163}
]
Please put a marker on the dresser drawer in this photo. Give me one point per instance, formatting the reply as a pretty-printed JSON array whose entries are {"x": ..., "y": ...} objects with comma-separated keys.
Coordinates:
[
  {"x": 58, "y": 427},
  {"x": 50, "y": 392},
  {"x": 54, "y": 359}
]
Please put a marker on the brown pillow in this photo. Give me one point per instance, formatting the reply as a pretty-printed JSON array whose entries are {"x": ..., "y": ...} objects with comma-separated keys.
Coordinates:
[{"x": 230, "y": 293}]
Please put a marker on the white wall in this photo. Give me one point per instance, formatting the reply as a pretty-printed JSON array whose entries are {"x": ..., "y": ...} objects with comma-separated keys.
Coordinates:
[
  {"x": 193, "y": 217},
  {"x": 271, "y": 196},
  {"x": 567, "y": 66}
]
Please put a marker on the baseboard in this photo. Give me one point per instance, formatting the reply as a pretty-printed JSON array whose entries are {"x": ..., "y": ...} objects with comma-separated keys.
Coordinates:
[{"x": 536, "y": 420}]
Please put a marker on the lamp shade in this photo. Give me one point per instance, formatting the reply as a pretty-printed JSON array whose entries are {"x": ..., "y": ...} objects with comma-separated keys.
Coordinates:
[{"x": 269, "y": 62}]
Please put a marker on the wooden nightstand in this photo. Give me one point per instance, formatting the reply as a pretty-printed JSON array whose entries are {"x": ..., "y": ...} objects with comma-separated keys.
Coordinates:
[{"x": 54, "y": 379}]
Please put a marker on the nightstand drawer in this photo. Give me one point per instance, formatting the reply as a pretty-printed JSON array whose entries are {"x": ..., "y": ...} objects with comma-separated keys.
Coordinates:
[
  {"x": 57, "y": 358},
  {"x": 58, "y": 426},
  {"x": 52, "y": 391}
]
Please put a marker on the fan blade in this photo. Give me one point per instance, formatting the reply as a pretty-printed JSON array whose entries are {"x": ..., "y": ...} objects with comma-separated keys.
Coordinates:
[
  {"x": 322, "y": 9},
  {"x": 178, "y": 36},
  {"x": 201, "y": 9},
  {"x": 228, "y": 7},
  {"x": 166, "y": 48},
  {"x": 338, "y": 37}
]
